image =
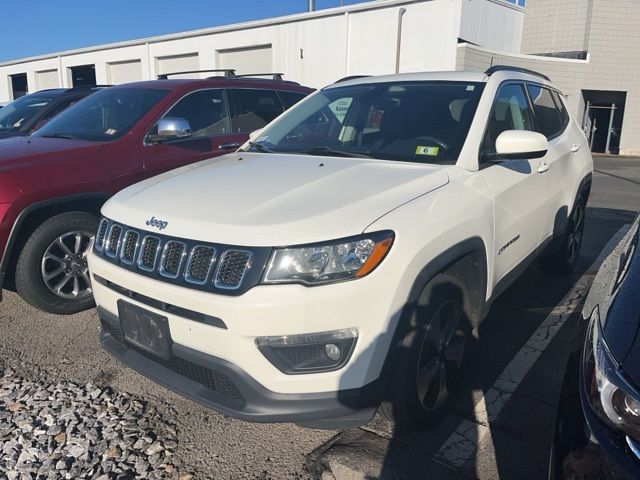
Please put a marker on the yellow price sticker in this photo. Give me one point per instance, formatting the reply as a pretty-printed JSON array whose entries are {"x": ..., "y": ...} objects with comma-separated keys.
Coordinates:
[{"x": 430, "y": 151}]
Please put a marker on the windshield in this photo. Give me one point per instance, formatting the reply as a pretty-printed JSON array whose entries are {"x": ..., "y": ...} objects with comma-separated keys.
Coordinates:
[
  {"x": 104, "y": 115},
  {"x": 17, "y": 113},
  {"x": 406, "y": 121}
]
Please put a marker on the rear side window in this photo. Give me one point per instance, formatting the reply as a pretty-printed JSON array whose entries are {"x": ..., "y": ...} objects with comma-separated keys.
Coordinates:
[
  {"x": 289, "y": 99},
  {"x": 510, "y": 112},
  {"x": 547, "y": 114},
  {"x": 562, "y": 110},
  {"x": 255, "y": 108}
]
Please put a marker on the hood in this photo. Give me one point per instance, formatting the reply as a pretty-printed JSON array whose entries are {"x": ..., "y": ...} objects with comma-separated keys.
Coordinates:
[
  {"x": 616, "y": 292},
  {"x": 25, "y": 151},
  {"x": 257, "y": 199}
]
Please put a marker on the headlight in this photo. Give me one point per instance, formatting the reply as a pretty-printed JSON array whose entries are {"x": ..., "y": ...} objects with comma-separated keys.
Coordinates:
[
  {"x": 609, "y": 395},
  {"x": 333, "y": 261}
]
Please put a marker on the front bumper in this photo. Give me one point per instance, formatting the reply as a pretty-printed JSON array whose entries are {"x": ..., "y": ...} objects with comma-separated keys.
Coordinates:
[
  {"x": 223, "y": 386},
  {"x": 259, "y": 391}
]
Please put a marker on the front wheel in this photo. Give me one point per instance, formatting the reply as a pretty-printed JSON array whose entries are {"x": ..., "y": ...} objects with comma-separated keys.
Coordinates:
[
  {"x": 52, "y": 273},
  {"x": 564, "y": 259},
  {"x": 427, "y": 361}
]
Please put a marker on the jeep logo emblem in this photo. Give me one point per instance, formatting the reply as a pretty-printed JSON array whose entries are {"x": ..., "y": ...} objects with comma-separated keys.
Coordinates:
[{"x": 159, "y": 224}]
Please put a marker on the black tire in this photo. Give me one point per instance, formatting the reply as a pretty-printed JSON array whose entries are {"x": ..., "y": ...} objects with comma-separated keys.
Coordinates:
[
  {"x": 31, "y": 266},
  {"x": 565, "y": 257},
  {"x": 413, "y": 402}
]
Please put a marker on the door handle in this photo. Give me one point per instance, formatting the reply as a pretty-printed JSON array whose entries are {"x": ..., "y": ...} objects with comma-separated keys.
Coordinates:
[
  {"x": 227, "y": 146},
  {"x": 575, "y": 147}
]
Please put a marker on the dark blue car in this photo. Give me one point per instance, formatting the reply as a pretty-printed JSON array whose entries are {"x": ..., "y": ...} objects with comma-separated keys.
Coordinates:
[{"x": 598, "y": 425}]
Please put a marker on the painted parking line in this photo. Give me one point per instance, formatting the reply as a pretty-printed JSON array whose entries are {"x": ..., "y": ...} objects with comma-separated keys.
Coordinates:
[{"x": 473, "y": 437}]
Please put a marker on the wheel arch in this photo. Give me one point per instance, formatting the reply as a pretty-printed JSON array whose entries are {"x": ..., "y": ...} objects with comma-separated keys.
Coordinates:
[
  {"x": 34, "y": 214},
  {"x": 467, "y": 263}
]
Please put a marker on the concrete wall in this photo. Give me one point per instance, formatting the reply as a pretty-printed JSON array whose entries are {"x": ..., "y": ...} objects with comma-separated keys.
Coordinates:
[
  {"x": 312, "y": 48},
  {"x": 571, "y": 76},
  {"x": 492, "y": 24},
  {"x": 556, "y": 26}
]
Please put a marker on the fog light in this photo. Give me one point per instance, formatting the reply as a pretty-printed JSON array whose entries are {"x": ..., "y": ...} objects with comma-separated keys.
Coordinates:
[
  {"x": 332, "y": 351},
  {"x": 310, "y": 352}
]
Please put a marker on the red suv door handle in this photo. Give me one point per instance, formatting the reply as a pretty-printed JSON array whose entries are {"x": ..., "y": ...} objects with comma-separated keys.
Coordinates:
[{"x": 227, "y": 146}]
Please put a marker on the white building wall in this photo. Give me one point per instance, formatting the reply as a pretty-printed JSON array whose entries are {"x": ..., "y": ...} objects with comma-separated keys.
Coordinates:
[
  {"x": 314, "y": 48},
  {"x": 492, "y": 24}
]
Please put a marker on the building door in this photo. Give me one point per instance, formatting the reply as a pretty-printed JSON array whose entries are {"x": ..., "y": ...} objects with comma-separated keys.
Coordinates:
[
  {"x": 258, "y": 59},
  {"x": 19, "y": 85},
  {"x": 82, "y": 75},
  {"x": 602, "y": 121}
]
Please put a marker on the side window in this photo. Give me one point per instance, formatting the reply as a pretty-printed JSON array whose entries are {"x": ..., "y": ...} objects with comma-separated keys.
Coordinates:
[
  {"x": 323, "y": 123},
  {"x": 206, "y": 111},
  {"x": 547, "y": 115},
  {"x": 510, "y": 112},
  {"x": 289, "y": 99},
  {"x": 564, "y": 115},
  {"x": 255, "y": 108}
]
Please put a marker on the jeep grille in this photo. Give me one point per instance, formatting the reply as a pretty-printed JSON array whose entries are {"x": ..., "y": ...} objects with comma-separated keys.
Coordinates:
[{"x": 223, "y": 269}]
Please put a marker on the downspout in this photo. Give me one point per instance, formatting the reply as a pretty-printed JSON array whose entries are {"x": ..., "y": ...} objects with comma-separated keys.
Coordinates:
[
  {"x": 348, "y": 45},
  {"x": 401, "y": 13}
]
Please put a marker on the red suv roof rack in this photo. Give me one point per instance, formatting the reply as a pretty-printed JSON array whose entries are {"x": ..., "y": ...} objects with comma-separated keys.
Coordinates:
[{"x": 228, "y": 73}]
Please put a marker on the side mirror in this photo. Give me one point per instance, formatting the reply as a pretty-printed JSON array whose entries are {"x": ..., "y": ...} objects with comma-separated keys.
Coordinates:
[
  {"x": 517, "y": 144},
  {"x": 171, "y": 128}
]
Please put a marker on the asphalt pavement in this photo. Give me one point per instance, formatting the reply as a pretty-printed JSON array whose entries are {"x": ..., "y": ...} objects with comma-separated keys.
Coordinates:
[{"x": 501, "y": 424}]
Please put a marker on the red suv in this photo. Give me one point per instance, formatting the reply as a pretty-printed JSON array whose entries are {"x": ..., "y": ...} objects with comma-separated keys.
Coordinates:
[{"x": 53, "y": 182}]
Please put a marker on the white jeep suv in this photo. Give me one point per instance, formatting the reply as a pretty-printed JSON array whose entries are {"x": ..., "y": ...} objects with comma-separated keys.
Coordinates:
[{"x": 341, "y": 259}]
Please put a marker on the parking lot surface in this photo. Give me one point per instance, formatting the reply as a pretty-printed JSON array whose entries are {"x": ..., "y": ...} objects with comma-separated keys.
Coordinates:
[{"x": 500, "y": 426}]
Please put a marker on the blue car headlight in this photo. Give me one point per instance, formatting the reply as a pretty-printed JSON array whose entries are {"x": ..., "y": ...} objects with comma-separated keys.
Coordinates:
[{"x": 610, "y": 396}]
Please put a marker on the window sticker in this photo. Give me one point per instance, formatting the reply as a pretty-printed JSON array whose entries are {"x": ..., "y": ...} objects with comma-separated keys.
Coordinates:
[
  {"x": 429, "y": 151},
  {"x": 471, "y": 88},
  {"x": 111, "y": 131}
]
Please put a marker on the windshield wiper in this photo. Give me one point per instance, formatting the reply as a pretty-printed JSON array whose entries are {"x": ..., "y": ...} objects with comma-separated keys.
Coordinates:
[
  {"x": 331, "y": 152},
  {"x": 260, "y": 147},
  {"x": 60, "y": 135}
]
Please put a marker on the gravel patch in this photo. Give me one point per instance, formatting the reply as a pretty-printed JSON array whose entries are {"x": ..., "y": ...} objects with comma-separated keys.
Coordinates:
[{"x": 68, "y": 431}]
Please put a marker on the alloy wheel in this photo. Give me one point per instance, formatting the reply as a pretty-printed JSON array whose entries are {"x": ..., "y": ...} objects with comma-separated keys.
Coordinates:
[
  {"x": 64, "y": 266},
  {"x": 574, "y": 239},
  {"x": 441, "y": 356}
]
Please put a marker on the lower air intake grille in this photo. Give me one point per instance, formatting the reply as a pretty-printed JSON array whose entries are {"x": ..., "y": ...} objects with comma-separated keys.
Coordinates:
[
  {"x": 232, "y": 268},
  {"x": 206, "y": 377}
]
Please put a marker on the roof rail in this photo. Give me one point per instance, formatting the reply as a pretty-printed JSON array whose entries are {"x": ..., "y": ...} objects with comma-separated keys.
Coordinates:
[
  {"x": 507, "y": 68},
  {"x": 351, "y": 77},
  {"x": 274, "y": 76},
  {"x": 228, "y": 73}
]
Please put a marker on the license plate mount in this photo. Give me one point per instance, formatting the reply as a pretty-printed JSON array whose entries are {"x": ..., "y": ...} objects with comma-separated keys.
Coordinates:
[{"x": 144, "y": 329}]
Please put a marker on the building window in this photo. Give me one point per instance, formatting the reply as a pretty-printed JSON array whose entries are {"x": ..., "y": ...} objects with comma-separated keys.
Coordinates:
[
  {"x": 19, "y": 85},
  {"x": 82, "y": 75}
]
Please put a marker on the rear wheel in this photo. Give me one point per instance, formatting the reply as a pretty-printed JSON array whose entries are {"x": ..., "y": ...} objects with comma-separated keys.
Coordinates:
[
  {"x": 427, "y": 362},
  {"x": 52, "y": 273},
  {"x": 564, "y": 259}
]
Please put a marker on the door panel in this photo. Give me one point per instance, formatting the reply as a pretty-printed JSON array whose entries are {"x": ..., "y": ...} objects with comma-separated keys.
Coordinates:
[
  {"x": 552, "y": 120},
  {"x": 518, "y": 189}
]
